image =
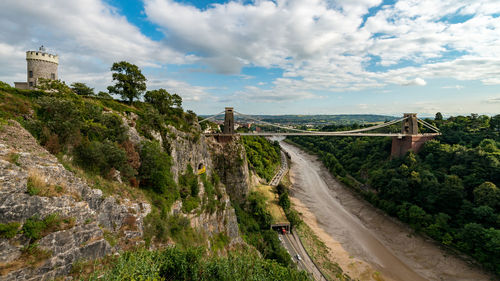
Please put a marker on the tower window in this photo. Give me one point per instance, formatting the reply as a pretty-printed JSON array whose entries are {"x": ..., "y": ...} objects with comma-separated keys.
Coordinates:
[
  {"x": 53, "y": 76},
  {"x": 31, "y": 84},
  {"x": 30, "y": 74}
]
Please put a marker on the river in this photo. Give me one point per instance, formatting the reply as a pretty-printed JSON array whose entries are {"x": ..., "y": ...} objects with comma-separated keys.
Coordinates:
[{"x": 366, "y": 243}]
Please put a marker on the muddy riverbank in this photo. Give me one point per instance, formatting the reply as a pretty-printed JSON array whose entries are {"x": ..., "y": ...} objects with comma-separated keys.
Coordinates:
[{"x": 365, "y": 242}]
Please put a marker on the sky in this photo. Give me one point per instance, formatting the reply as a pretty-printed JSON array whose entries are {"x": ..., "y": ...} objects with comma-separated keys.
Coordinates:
[{"x": 274, "y": 57}]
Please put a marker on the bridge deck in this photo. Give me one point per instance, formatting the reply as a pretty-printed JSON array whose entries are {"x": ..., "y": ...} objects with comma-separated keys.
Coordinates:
[{"x": 339, "y": 134}]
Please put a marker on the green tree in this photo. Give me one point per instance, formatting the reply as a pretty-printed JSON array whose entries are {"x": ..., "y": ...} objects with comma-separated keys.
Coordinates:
[
  {"x": 82, "y": 89},
  {"x": 284, "y": 201},
  {"x": 104, "y": 95},
  {"x": 438, "y": 116},
  {"x": 487, "y": 194},
  {"x": 177, "y": 100},
  {"x": 129, "y": 81},
  {"x": 495, "y": 123},
  {"x": 154, "y": 171},
  {"x": 162, "y": 100}
]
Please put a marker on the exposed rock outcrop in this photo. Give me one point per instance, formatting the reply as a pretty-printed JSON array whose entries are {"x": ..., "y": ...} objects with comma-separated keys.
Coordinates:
[
  {"x": 188, "y": 149},
  {"x": 230, "y": 163},
  {"x": 92, "y": 214},
  {"x": 95, "y": 217}
]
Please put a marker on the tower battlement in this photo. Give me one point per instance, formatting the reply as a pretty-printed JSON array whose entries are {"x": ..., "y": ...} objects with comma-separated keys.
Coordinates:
[{"x": 43, "y": 56}]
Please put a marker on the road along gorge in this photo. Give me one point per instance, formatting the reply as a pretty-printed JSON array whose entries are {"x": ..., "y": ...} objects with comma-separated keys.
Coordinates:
[{"x": 365, "y": 242}]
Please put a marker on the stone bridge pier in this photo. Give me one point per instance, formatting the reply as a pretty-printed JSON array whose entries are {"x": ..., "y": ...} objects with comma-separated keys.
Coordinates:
[{"x": 411, "y": 139}]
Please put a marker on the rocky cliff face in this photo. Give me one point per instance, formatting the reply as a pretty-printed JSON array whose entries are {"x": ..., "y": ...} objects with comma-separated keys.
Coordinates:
[
  {"x": 33, "y": 184},
  {"x": 194, "y": 150},
  {"x": 188, "y": 149},
  {"x": 230, "y": 164}
]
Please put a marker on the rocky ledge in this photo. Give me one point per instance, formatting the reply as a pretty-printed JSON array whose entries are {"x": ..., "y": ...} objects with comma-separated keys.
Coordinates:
[{"x": 84, "y": 223}]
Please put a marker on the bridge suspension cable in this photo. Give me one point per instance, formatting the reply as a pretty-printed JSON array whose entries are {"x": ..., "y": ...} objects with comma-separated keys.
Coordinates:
[
  {"x": 426, "y": 124},
  {"x": 369, "y": 128},
  {"x": 323, "y": 133},
  {"x": 211, "y": 117}
]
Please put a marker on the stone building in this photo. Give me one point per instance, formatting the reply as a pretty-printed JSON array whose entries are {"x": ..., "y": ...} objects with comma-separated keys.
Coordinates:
[{"x": 40, "y": 64}]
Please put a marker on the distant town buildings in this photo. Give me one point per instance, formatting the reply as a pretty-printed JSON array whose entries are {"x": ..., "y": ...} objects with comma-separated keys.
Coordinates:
[{"x": 40, "y": 64}]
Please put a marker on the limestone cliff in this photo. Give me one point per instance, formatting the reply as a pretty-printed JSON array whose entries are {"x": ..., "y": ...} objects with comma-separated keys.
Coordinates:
[
  {"x": 33, "y": 184},
  {"x": 86, "y": 224},
  {"x": 193, "y": 149},
  {"x": 230, "y": 163}
]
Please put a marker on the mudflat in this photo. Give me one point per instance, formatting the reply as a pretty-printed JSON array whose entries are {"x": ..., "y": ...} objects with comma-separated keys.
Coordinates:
[{"x": 365, "y": 242}]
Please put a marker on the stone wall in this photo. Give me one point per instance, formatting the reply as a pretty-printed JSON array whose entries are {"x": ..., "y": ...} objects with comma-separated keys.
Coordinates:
[
  {"x": 41, "y": 69},
  {"x": 404, "y": 144}
]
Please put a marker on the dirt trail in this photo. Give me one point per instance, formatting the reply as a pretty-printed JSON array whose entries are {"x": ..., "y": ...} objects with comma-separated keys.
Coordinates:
[{"x": 363, "y": 240}]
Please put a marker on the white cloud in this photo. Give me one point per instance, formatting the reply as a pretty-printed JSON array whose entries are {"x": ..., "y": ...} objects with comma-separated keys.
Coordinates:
[
  {"x": 88, "y": 35},
  {"x": 323, "y": 45},
  {"x": 415, "y": 82},
  {"x": 494, "y": 100},
  {"x": 256, "y": 94},
  {"x": 455, "y": 87},
  {"x": 187, "y": 91}
]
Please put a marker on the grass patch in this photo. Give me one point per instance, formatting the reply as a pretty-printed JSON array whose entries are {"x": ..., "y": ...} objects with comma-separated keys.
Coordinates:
[
  {"x": 272, "y": 204},
  {"x": 12, "y": 106},
  {"x": 13, "y": 158},
  {"x": 38, "y": 185},
  {"x": 219, "y": 242},
  {"x": 31, "y": 256},
  {"x": 161, "y": 227},
  {"x": 111, "y": 238},
  {"x": 320, "y": 254},
  {"x": 108, "y": 187},
  {"x": 35, "y": 228},
  {"x": 9, "y": 230}
]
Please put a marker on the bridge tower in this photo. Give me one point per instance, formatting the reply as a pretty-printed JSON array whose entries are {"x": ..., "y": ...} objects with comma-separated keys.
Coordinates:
[
  {"x": 410, "y": 139},
  {"x": 229, "y": 121}
]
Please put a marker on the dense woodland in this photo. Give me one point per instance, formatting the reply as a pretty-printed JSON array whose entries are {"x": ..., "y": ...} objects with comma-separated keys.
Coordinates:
[
  {"x": 263, "y": 156},
  {"x": 448, "y": 191}
]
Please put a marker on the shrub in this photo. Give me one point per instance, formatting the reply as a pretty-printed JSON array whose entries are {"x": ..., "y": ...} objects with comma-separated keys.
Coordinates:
[
  {"x": 190, "y": 204},
  {"x": 159, "y": 226},
  {"x": 155, "y": 172},
  {"x": 61, "y": 116},
  {"x": 9, "y": 230},
  {"x": 33, "y": 228},
  {"x": 101, "y": 157},
  {"x": 175, "y": 263},
  {"x": 219, "y": 241}
]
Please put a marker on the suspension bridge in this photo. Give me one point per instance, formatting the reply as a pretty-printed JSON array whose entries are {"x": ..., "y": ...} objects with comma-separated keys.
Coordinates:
[{"x": 408, "y": 138}]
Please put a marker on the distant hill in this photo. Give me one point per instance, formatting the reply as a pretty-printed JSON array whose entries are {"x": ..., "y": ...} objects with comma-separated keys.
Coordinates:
[{"x": 320, "y": 119}]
